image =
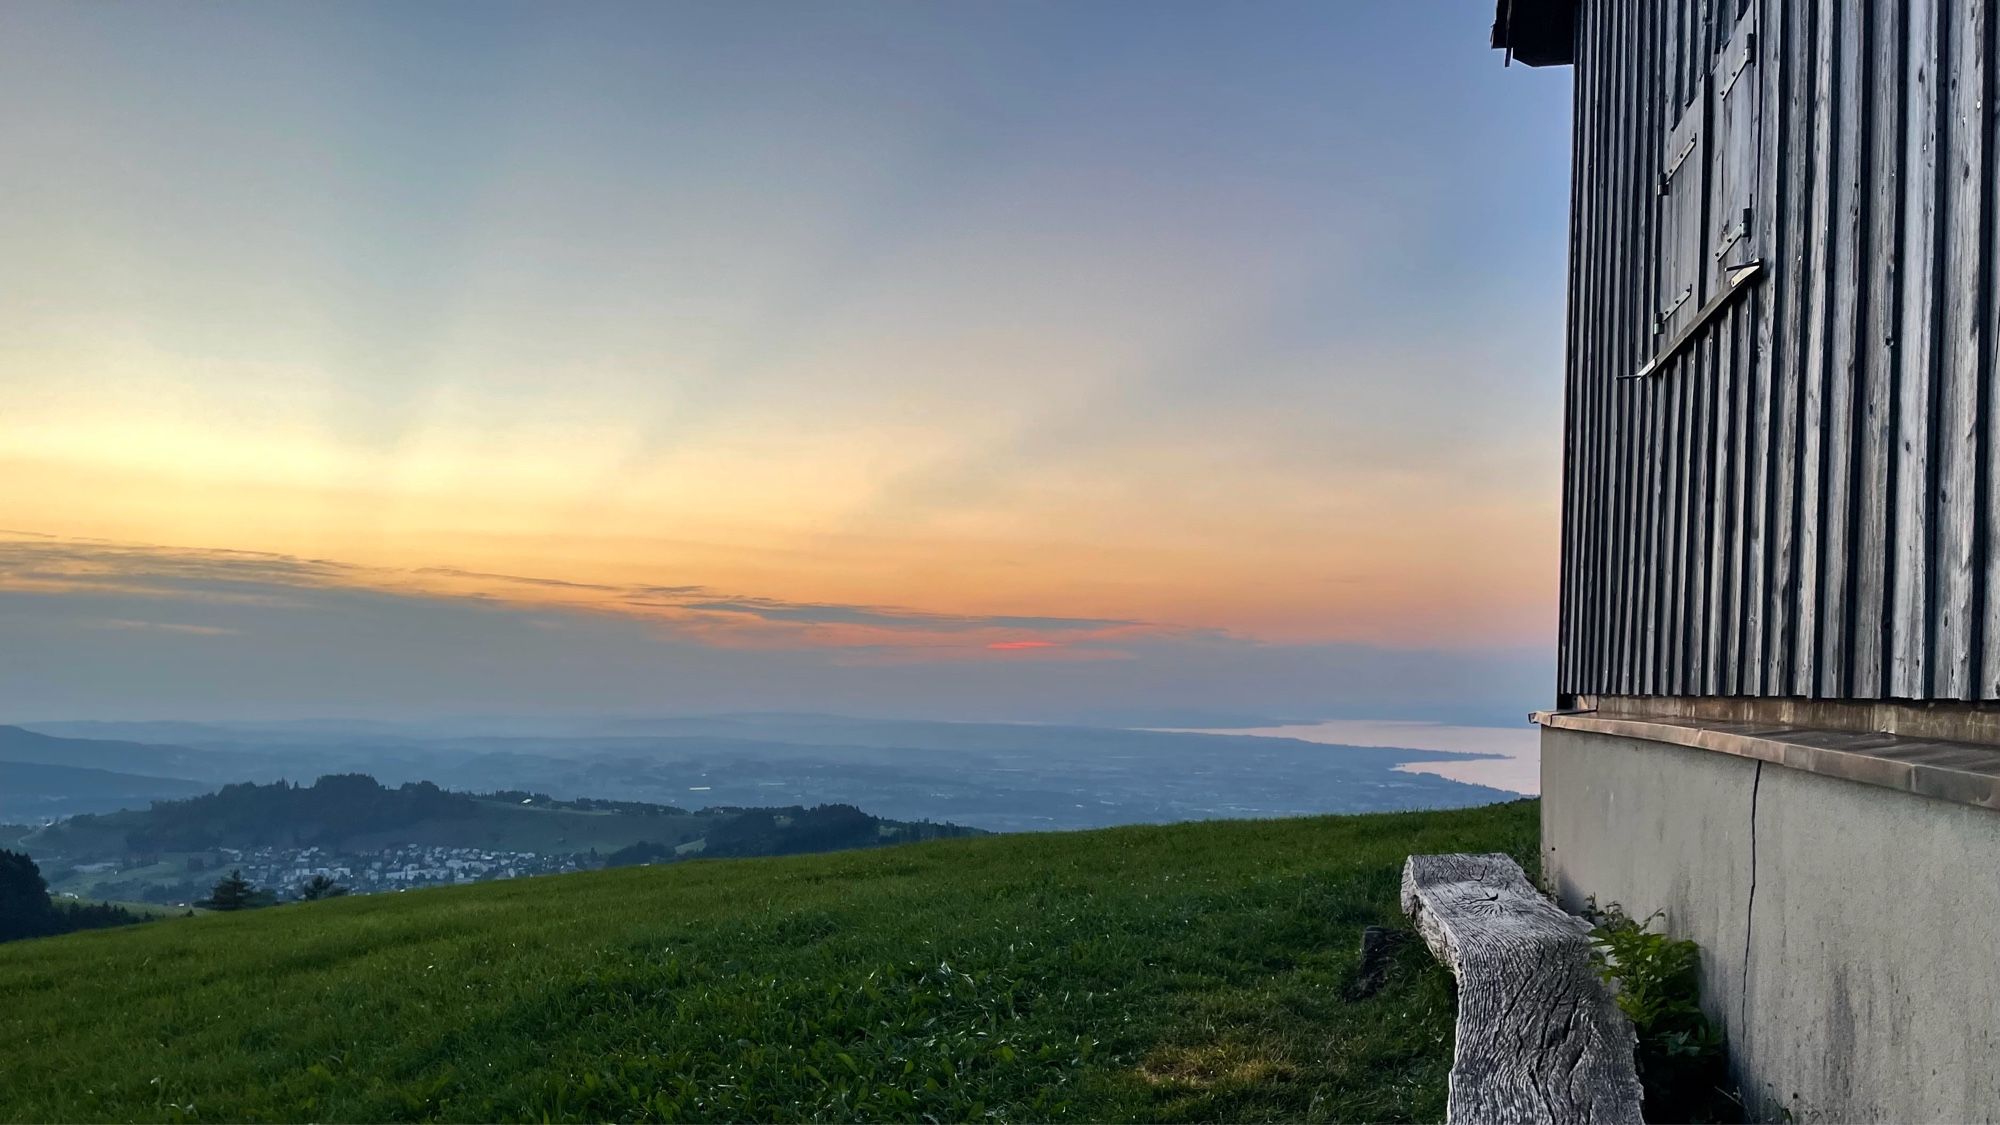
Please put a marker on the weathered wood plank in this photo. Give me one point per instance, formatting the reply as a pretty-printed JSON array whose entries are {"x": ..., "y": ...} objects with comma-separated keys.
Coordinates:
[
  {"x": 1595, "y": 367},
  {"x": 1584, "y": 433},
  {"x": 1788, "y": 290},
  {"x": 1668, "y": 60},
  {"x": 1691, "y": 667},
  {"x": 1538, "y": 1039},
  {"x": 1585, "y": 266},
  {"x": 1600, "y": 370},
  {"x": 1679, "y": 242},
  {"x": 1610, "y": 517},
  {"x": 1960, "y": 345},
  {"x": 1910, "y": 614},
  {"x": 1687, "y": 460},
  {"x": 1667, "y": 457},
  {"x": 1989, "y": 588},
  {"x": 1671, "y": 457},
  {"x": 1659, "y": 234},
  {"x": 1882, "y": 137},
  {"x": 1653, "y": 463},
  {"x": 1819, "y": 142},
  {"x": 1621, "y": 157},
  {"x": 1756, "y": 361},
  {"x": 1587, "y": 365},
  {"x": 1569, "y": 598},
  {"x": 1725, "y": 634},
  {"x": 1838, "y": 490}
]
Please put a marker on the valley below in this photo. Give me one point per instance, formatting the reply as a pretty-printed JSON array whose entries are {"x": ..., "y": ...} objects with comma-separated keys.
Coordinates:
[{"x": 155, "y": 812}]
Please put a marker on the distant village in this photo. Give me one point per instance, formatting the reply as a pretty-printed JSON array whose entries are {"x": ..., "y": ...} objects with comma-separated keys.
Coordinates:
[
  {"x": 284, "y": 870},
  {"x": 394, "y": 869}
]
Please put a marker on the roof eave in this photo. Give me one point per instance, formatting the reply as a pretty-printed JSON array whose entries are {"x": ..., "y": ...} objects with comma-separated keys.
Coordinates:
[{"x": 1536, "y": 32}]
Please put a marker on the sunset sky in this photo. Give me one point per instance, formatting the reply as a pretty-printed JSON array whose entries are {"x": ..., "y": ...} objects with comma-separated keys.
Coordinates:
[{"x": 870, "y": 356}]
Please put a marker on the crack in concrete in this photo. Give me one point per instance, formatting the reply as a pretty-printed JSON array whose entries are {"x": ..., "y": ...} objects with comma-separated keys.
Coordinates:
[{"x": 1750, "y": 901}]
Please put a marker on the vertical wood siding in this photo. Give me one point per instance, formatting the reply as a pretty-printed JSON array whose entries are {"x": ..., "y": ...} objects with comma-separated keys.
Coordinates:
[{"x": 1804, "y": 500}]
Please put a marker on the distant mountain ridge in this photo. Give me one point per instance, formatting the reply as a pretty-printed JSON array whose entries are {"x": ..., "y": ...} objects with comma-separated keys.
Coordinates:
[
  {"x": 32, "y": 791},
  {"x": 18, "y": 744},
  {"x": 44, "y": 776}
]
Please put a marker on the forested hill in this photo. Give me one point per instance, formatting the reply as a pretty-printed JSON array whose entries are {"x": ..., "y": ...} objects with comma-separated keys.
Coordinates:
[{"x": 162, "y": 853}]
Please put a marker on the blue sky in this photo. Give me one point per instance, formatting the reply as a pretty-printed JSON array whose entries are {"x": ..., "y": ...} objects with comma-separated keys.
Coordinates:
[{"x": 1114, "y": 329}]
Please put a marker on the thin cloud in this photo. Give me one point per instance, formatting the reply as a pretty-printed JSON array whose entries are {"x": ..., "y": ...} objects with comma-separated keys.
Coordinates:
[
  {"x": 162, "y": 627},
  {"x": 820, "y": 613},
  {"x": 46, "y": 566}
]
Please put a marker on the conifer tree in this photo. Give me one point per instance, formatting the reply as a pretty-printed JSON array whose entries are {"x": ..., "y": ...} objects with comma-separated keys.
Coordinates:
[
  {"x": 25, "y": 910},
  {"x": 319, "y": 887},
  {"x": 231, "y": 892}
]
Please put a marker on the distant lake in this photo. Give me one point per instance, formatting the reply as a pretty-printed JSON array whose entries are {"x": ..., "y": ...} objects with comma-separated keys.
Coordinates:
[{"x": 1518, "y": 769}]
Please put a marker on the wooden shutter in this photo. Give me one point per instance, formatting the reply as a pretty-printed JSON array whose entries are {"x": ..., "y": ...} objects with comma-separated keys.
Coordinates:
[
  {"x": 1733, "y": 189},
  {"x": 1683, "y": 245}
]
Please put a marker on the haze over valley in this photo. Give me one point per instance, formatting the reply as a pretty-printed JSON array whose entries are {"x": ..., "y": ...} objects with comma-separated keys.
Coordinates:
[
  {"x": 1005, "y": 777},
  {"x": 990, "y": 777}
]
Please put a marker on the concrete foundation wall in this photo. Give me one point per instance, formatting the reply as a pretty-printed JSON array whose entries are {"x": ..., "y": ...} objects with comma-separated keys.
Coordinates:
[{"x": 1849, "y": 933}]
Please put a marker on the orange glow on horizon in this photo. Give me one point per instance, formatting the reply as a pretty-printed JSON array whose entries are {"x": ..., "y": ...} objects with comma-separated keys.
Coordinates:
[{"x": 903, "y": 363}]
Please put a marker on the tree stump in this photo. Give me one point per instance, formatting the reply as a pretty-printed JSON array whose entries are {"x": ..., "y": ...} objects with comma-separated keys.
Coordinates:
[{"x": 1378, "y": 952}]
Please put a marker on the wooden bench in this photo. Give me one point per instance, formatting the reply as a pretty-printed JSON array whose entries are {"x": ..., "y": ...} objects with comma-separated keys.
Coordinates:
[{"x": 1539, "y": 1038}]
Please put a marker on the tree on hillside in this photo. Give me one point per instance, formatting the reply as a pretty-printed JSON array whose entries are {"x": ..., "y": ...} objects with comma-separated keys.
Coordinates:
[
  {"x": 645, "y": 851},
  {"x": 232, "y": 892},
  {"x": 319, "y": 887},
  {"x": 25, "y": 910},
  {"x": 91, "y": 916}
]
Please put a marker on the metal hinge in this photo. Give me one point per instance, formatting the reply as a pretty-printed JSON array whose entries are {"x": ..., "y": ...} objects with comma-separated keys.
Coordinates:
[
  {"x": 1667, "y": 313},
  {"x": 1741, "y": 63},
  {"x": 1731, "y": 235},
  {"x": 1679, "y": 159}
]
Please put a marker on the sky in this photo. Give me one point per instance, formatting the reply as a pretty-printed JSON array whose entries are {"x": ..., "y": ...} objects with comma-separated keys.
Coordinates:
[{"x": 980, "y": 359}]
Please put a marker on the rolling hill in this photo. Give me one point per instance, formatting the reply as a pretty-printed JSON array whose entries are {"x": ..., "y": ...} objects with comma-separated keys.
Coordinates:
[
  {"x": 1190, "y": 972},
  {"x": 45, "y": 776},
  {"x": 353, "y": 812},
  {"x": 32, "y": 791},
  {"x": 149, "y": 759},
  {"x": 364, "y": 834}
]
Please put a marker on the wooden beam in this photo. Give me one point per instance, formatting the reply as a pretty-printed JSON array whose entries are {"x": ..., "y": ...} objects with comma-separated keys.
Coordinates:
[
  {"x": 1737, "y": 279},
  {"x": 1539, "y": 1039}
]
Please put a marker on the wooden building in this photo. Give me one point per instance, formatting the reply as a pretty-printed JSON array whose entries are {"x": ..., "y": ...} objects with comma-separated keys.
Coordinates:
[
  {"x": 1780, "y": 615},
  {"x": 1779, "y": 475}
]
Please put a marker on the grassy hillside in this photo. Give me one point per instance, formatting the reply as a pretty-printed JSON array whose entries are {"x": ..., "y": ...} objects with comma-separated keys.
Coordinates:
[{"x": 1190, "y": 972}]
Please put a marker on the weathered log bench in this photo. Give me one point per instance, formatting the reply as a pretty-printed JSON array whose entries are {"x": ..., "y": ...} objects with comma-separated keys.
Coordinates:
[{"x": 1539, "y": 1037}]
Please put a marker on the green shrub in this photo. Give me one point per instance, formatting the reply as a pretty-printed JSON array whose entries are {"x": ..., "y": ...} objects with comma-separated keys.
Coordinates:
[{"x": 1682, "y": 1056}]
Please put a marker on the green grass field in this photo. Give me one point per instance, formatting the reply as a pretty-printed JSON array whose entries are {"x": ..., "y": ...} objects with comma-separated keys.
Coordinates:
[
  {"x": 144, "y": 909},
  {"x": 1193, "y": 972}
]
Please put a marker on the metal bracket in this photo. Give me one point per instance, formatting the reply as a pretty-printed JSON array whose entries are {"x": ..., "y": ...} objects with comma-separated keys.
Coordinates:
[
  {"x": 1731, "y": 235},
  {"x": 1668, "y": 310},
  {"x": 1736, "y": 279}
]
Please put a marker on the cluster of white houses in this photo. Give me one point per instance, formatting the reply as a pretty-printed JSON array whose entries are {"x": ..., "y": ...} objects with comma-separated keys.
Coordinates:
[
  {"x": 398, "y": 868},
  {"x": 1780, "y": 629}
]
